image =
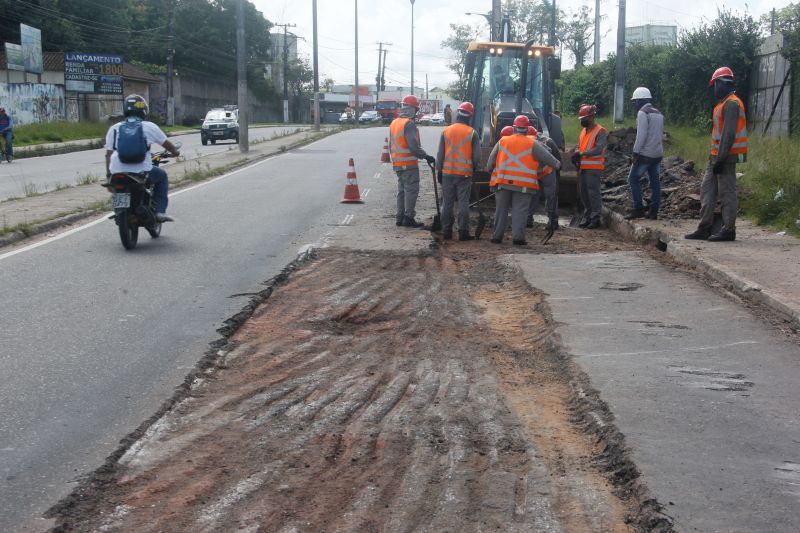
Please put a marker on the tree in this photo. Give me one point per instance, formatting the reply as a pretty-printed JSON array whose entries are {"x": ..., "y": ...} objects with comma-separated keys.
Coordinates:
[
  {"x": 532, "y": 19},
  {"x": 577, "y": 35},
  {"x": 301, "y": 84},
  {"x": 788, "y": 23},
  {"x": 328, "y": 84},
  {"x": 460, "y": 37}
]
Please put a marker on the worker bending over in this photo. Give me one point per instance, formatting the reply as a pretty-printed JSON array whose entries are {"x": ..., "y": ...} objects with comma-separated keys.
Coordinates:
[{"x": 548, "y": 184}]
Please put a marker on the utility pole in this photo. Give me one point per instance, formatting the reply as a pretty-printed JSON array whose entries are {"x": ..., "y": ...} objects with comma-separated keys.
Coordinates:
[
  {"x": 619, "y": 73},
  {"x": 412, "y": 46},
  {"x": 497, "y": 20},
  {"x": 379, "y": 77},
  {"x": 553, "y": 26},
  {"x": 286, "y": 70},
  {"x": 426, "y": 85},
  {"x": 316, "y": 69},
  {"x": 596, "y": 31},
  {"x": 383, "y": 71},
  {"x": 241, "y": 67},
  {"x": 170, "y": 68},
  {"x": 357, "y": 102},
  {"x": 772, "y": 25}
]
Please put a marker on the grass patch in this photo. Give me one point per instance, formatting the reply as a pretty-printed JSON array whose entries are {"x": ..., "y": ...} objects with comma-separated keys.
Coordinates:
[
  {"x": 54, "y": 132},
  {"x": 86, "y": 179}
]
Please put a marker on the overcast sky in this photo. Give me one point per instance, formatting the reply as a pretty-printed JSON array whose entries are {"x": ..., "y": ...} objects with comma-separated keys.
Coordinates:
[{"x": 390, "y": 21}]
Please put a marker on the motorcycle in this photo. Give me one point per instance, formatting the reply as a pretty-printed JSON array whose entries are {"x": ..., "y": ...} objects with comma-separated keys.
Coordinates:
[{"x": 132, "y": 202}]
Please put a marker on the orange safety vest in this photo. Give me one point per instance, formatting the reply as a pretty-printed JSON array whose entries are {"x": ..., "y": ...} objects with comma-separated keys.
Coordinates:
[
  {"x": 588, "y": 141},
  {"x": 544, "y": 171},
  {"x": 402, "y": 157},
  {"x": 457, "y": 150},
  {"x": 740, "y": 141},
  {"x": 515, "y": 163}
]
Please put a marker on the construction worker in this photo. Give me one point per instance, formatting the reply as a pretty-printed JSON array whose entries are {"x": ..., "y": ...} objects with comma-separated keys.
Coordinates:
[
  {"x": 448, "y": 115},
  {"x": 458, "y": 157},
  {"x": 589, "y": 157},
  {"x": 405, "y": 150},
  {"x": 548, "y": 182},
  {"x": 515, "y": 165},
  {"x": 728, "y": 147},
  {"x": 648, "y": 150}
]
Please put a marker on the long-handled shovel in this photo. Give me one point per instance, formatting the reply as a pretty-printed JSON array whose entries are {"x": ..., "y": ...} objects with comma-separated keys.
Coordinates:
[
  {"x": 437, "y": 220},
  {"x": 481, "y": 217}
]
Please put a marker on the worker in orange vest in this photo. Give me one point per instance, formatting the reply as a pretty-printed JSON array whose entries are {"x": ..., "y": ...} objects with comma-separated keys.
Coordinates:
[
  {"x": 548, "y": 184},
  {"x": 458, "y": 157},
  {"x": 405, "y": 150},
  {"x": 728, "y": 147},
  {"x": 515, "y": 164},
  {"x": 589, "y": 156}
]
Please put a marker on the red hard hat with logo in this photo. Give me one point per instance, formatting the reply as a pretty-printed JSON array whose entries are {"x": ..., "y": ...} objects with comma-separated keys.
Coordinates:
[
  {"x": 721, "y": 72},
  {"x": 587, "y": 111},
  {"x": 533, "y": 131},
  {"x": 522, "y": 122},
  {"x": 507, "y": 131},
  {"x": 411, "y": 101},
  {"x": 466, "y": 108}
]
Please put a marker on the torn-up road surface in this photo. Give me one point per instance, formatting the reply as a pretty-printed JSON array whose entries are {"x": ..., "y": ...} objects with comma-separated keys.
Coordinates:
[{"x": 380, "y": 391}]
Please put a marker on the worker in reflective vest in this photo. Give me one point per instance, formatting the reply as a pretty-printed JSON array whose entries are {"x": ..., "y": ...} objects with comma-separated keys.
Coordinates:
[
  {"x": 458, "y": 157},
  {"x": 514, "y": 165},
  {"x": 405, "y": 150},
  {"x": 728, "y": 147},
  {"x": 589, "y": 157},
  {"x": 548, "y": 184}
]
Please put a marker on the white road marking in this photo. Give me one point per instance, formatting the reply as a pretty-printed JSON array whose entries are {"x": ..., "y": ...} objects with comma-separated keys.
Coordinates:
[
  {"x": 377, "y": 175},
  {"x": 366, "y": 192}
]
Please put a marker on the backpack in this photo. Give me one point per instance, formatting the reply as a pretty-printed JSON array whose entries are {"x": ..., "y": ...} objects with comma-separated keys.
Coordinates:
[{"x": 130, "y": 142}]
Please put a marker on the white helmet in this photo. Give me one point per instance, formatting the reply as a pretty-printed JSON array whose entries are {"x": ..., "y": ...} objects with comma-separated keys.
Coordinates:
[{"x": 641, "y": 93}]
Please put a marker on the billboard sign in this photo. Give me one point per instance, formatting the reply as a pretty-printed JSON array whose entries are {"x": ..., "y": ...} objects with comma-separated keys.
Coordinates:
[
  {"x": 93, "y": 73},
  {"x": 31, "y": 39},
  {"x": 14, "y": 57}
]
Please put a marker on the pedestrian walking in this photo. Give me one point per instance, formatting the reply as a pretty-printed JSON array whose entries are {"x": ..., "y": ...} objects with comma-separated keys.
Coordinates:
[
  {"x": 728, "y": 147},
  {"x": 7, "y": 132},
  {"x": 448, "y": 115},
  {"x": 648, "y": 150},
  {"x": 405, "y": 150},
  {"x": 589, "y": 157},
  {"x": 458, "y": 157},
  {"x": 516, "y": 164},
  {"x": 548, "y": 184}
]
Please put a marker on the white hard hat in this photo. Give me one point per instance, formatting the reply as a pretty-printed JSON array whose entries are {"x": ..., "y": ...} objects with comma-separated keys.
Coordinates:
[{"x": 640, "y": 93}]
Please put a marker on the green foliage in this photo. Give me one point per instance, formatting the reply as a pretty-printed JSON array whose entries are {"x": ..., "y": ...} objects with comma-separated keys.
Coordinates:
[
  {"x": 592, "y": 84},
  {"x": 788, "y": 23},
  {"x": 531, "y": 19},
  {"x": 577, "y": 34},
  {"x": 57, "y": 132},
  {"x": 460, "y": 37}
]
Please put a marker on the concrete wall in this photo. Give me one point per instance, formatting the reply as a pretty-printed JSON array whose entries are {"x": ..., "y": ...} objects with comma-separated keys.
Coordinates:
[
  {"x": 30, "y": 103},
  {"x": 769, "y": 72}
]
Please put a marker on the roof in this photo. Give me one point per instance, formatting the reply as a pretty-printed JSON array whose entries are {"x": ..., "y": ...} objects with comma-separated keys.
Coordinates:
[{"x": 54, "y": 62}]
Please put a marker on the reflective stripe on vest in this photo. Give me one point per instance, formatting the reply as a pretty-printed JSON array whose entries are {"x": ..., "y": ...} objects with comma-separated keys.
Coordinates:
[
  {"x": 457, "y": 150},
  {"x": 587, "y": 142},
  {"x": 544, "y": 171},
  {"x": 402, "y": 157},
  {"x": 515, "y": 163},
  {"x": 739, "y": 145}
]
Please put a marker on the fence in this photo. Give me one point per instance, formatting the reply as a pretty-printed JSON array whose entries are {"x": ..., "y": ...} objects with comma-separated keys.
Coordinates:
[{"x": 770, "y": 102}]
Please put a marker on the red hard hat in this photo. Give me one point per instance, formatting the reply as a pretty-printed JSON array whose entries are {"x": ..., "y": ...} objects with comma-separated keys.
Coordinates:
[
  {"x": 466, "y": 108},
  {"x": 533, "y": 131},
  {"x": 521, "y": 122},
  {"x": 411, "y": 101},
  {"x": 508, "y": 130},
  {"x": 721, "y": 72},
  {"x": 587, "y": 111}
]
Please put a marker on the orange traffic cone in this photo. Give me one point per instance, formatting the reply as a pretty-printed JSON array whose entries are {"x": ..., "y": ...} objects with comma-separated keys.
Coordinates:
[
  {"x": 351, "y": 194},
  {"x": 385, "y": 154}
]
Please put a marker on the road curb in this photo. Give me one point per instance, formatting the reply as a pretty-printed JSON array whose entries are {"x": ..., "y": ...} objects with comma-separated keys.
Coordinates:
[{"x": 678, "y": 250}]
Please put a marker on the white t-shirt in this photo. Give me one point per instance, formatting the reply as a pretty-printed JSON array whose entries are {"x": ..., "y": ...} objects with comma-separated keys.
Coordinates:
[{"x": 152, "y": 134}]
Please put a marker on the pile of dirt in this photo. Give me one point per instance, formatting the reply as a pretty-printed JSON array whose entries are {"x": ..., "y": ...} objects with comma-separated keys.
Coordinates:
[{"x": 680, "y": 183}]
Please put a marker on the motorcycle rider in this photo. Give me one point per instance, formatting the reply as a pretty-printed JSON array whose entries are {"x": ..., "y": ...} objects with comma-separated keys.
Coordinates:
[{"x": 135, "y": 108}]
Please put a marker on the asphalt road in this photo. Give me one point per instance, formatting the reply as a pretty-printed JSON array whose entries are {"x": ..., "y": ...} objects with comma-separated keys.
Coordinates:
[
  {"x": 40, "y": 174},
  {"x": 95, "y": 338}
]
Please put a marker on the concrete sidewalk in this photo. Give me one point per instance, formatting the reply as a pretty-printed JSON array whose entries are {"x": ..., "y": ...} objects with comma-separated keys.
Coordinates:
[
  {"x": 35, "y": 150},
  {"x": 761, "y": 266},
  {"x": 46, "y": 212}
]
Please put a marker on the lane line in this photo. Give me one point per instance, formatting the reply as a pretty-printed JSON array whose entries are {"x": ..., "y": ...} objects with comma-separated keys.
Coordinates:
[{"x": 366, "y": 193}]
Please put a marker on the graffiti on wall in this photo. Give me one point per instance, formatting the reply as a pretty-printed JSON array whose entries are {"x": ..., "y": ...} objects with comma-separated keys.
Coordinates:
[{"x": 29, "y": 103}]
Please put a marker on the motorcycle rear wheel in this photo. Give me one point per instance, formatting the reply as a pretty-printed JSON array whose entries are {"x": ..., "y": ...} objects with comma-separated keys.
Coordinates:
[{"x": 128, "y": 232}]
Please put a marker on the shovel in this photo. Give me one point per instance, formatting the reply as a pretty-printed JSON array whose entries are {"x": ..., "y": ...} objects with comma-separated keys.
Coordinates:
[
  {"x": 481, "y": 217},
  {"x": 437, "y": 220}
]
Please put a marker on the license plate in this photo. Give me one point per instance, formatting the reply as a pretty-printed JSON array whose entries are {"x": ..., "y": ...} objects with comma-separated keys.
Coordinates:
[
  {"x": 218, "y": 133},
  {"x": 121, "y": 200}
]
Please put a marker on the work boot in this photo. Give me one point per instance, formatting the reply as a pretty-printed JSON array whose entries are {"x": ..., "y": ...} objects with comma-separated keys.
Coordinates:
[
  {"x": 411, "y": 223},
  {"x": 593, "y": 224},
  {"x": 163, "y": 217},
  {"x": 698, "y": 235},
  {"x": 723, "y": 235},
  {"x": 465, "y": 236},
  {"x": 496, "y": 241},
  {"x": 398, "y": 221},
  {"x": 652, "y": 216},
  {"x": 447, "y": 234},
  {"x": 520, "y": 242},
  {"x": 584, "y": 222},
  {"x": 529, "y": 221},
  {"x": 635, "y": 213}
]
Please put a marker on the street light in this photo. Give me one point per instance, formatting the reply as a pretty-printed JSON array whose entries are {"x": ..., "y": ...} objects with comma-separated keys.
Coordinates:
[{"x": 412, "y": 46}]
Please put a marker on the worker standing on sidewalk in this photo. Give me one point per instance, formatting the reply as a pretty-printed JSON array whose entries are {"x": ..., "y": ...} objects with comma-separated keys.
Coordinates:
[
  {"x": 589, "y": 157},
  {"x": 515, "y": 165},
  {"x": 728, "y": 147},
  {"x": 7, "y": 132},
  {"x": 647, "y": 153},
  {"x": 548, "y": 184},
  {"x": 458, "y": 157},
  {"x": 405, "y": 150}
]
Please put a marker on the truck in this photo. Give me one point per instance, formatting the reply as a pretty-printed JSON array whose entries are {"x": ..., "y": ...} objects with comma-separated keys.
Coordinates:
[{"x": 388, "y": 108}]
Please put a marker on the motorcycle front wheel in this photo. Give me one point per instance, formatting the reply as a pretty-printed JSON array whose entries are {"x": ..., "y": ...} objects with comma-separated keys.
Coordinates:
[{"x": 128, "y": 231}]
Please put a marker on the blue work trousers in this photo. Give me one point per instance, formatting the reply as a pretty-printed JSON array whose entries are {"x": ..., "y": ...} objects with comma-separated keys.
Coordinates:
[
  {"x": 158, "y": 178},
  {"x": 9, "y": 137},
  {"x": 651, "y": 166}
]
